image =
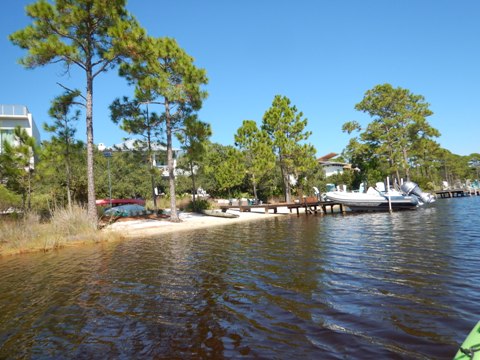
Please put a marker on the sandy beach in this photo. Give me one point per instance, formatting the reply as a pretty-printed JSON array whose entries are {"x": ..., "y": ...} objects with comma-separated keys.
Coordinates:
[{"x": 189, "y": 221}]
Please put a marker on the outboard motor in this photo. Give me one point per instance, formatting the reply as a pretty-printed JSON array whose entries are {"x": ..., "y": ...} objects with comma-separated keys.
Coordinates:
[{"x": 409, "y": 187}]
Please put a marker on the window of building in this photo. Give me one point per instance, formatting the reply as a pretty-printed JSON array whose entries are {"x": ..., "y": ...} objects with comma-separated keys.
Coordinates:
[{"x": 5, "y": 136}]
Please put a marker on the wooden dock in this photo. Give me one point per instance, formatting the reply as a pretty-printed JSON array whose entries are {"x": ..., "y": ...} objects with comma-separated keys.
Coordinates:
[
  {"x": 450, "y": 193},
  {"x": 310, "y": 207}
]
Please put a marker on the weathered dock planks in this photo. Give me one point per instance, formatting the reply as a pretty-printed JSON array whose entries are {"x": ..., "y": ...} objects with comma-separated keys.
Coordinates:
[
  {"x": 315, "y": 207},
  {"x": 450, "y": 193}
]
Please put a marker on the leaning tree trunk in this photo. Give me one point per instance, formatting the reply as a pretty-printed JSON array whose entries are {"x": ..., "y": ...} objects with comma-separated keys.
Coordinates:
[{"x": 91, "y": 207}]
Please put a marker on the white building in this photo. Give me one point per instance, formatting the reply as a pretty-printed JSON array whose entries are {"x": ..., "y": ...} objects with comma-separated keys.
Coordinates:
[
  {"x": 12, "y": 116},
  {"x": 332, "y": 167},
  {"x": 158, "y": 150}
]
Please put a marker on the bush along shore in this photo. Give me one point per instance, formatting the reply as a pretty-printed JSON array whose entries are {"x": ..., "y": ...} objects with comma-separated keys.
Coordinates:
[{"x": 65, "y": 227}]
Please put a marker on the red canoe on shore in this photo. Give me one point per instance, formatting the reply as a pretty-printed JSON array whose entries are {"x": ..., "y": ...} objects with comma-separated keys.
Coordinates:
[{"x": 107, "y": 202}]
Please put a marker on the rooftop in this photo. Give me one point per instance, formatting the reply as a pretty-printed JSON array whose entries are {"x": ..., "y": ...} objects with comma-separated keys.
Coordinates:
[{"x": 327, "y": 157}]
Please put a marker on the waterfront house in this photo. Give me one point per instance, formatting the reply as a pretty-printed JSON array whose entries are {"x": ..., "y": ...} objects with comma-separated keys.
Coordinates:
[
  {"x": 159, "y": 153},
  {"x": 332, "y": 167}
]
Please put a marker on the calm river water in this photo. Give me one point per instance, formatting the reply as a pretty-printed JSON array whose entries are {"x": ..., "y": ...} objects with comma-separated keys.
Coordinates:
[{"x": 385, "y": 286}]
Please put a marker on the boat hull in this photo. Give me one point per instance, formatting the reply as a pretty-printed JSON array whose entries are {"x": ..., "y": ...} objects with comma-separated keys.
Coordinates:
[{"x": 369, "y": 202}]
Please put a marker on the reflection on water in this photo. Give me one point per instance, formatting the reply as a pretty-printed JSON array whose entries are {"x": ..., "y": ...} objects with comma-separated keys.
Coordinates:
[{"x": 402, "y": 285}]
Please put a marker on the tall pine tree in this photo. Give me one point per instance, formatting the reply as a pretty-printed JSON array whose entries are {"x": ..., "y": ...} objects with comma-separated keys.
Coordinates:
[{"x": 93, "y": 35}]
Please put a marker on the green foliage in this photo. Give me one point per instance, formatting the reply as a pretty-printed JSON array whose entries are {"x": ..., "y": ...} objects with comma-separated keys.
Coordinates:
[
  {"x": 200, "y": 204},
  {"x": 424, "y": 162},
  {"x": 345, "y": 178},
  {"x": 399, "y": 125},
  {"x": 129, "y": 175},
  {"x": 285, "y": 127},
  {"x": 454, "y": 168},
  {"x": 51, "y": 172},
  {"x": 134, "y": 117},
  {"x": 314, "y": 176},
  {"x": 224, "y": 166},
  {"x": 136, "y": 121},
  {"x": 257, "y": 151},
  {"x": 183, "y": 184},
  {"x": 63, "y": 145},
  {"x": 93, "y": 35},
  {"x": 474, "y": 166},
  {"x": 82, "y": 32},
  {"x": 193, "y": 139},
  {"x": 17, "y": 165},
  {"x": 9, "y": 199},
  {"x": 165, "y": 74}
]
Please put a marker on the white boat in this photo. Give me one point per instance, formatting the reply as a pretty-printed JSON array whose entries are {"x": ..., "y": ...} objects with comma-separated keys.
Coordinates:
[{"x": 377, "y": 199}]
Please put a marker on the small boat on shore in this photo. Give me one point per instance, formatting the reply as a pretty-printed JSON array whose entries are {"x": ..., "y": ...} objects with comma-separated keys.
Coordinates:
[
  {"x": 127, "y": 210},
  {"x": 377, "y": 199},
  {"x": 218, "y": 213}
]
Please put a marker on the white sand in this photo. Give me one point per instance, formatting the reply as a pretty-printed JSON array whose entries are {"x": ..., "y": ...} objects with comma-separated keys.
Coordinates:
[{"x": 189, "y": 221}]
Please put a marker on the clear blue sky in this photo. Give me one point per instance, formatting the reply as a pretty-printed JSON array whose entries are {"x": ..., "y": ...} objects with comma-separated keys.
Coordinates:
[{"x": 322, "y": 54}]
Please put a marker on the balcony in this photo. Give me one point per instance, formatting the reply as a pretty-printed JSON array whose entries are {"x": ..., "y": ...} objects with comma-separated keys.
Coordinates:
[{"x": 13, "y": 110}]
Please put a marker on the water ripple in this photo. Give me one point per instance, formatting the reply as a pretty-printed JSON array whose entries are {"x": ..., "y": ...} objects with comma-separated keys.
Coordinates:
[{"x": 399, "y": 285}]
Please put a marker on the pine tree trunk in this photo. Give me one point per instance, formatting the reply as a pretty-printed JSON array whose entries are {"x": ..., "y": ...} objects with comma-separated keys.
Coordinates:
[
  {"x": 67, "y": 168},
  {"x": 254, "y": 189},
  {"x": 194, "y": 203},
  {"x": 152, "y": 176},
  {"x": 69, "y": 192},
  {"x": 405, "y": 162},
  {"x": 286, "y": 182},
  {"x": 29, "y": 194},
  {"x": 91, "y": 207},
  {"x": 171, "y": 174}
]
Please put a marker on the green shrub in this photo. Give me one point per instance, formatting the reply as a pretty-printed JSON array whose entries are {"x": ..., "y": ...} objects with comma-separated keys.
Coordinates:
[
  {"x": 9, "y": 199},
  {"x": 201, "y": 204}
]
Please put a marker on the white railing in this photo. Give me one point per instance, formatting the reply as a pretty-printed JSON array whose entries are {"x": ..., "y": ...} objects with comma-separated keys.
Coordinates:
[{"x": 13, "y": 110}]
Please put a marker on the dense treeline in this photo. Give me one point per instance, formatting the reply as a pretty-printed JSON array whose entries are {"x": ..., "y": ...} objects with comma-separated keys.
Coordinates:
[
  {"x": 251, "y": 168},
  {"x": 268, "y": 158}
]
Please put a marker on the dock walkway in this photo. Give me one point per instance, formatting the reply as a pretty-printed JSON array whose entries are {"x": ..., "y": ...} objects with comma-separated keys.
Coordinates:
[
  {"x": 311, "y": 207},
  {"x": 450, "y": 193}
]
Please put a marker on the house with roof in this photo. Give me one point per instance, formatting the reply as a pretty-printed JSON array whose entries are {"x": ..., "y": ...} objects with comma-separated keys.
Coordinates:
[
  {"x": 332, "y": 167},
  {"x": 159, "y": 153},
  {"x": 12, "y": 116}
]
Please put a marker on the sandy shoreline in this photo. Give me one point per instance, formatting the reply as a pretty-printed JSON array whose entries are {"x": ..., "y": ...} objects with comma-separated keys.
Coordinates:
[{"x": 190, "y": 221}]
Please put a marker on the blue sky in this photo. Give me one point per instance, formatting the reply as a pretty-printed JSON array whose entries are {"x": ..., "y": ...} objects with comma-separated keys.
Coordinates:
[{"x": 323, "y": 55}]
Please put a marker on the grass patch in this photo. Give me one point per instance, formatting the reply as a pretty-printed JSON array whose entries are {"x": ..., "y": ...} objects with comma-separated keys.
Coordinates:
[{"x": 65, "y": 227}]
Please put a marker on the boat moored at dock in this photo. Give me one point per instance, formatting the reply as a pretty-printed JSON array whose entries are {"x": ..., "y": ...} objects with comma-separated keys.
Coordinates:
[{"x": 409, "y": 196}]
